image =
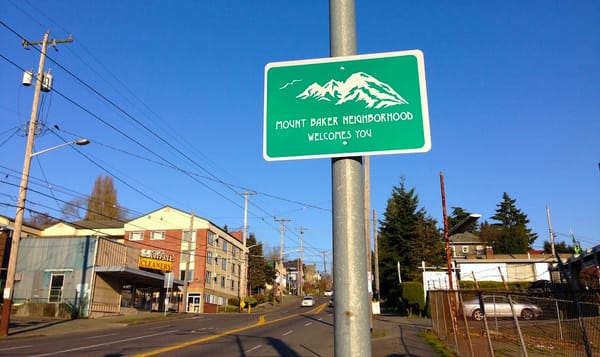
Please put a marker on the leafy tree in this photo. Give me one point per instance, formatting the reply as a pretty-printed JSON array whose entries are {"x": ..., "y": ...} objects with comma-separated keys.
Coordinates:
[
  {"x": 490, "y": 233},
  {"x": 102, "y": 204},
  {"x": 560, "y": 247},
  {"x": 514, "y": 236},
  {"x": 406, "y": 235}
]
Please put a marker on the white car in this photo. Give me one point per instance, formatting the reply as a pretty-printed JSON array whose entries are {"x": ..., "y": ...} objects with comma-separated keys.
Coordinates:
[
  {"x": 328, "y": 292},
  {"x": 308, "y": 301}
]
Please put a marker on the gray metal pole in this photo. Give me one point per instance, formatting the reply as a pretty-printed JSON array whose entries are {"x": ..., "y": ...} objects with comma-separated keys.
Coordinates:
[{"x": 351, "y": 312}]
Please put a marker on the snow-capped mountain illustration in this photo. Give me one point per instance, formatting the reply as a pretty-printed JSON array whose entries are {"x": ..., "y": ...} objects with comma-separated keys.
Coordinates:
[{"x": 358, "y": 87}]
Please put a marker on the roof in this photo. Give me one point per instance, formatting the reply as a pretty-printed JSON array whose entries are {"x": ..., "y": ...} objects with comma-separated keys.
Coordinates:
[
  {"x": 98, "y": 224},
  {"x": 465, "y": 238},
  {"x": 509, "y": 258}
]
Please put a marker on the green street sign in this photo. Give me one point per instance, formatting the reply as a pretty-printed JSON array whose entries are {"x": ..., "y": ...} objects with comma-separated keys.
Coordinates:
[{"x": 346, "y": 106}]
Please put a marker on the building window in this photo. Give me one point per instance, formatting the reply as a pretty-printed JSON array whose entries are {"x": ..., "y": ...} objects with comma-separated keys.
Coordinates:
[
  {"x": 211, "y": 238},
  {"x": 224, "y": 245},
  {"x": 223, "y": 282},
  {"x": 136, "y": 235},
  {"x": 208, "y": 275},
  {"x": 186, "y": 236},
  {"x": 190, "y": 275},
  {"x": 56, "y": 286},
  {"x": 224, "y": 264},
  {"x": 209, "y": 257},
  {"x": 233, "y": 250},
  {"x": 232, "y": 284},
  {"x": 158, "y": 235},
  {"x": 232, "y": 268},
  {"x": 465, "y": 248}
]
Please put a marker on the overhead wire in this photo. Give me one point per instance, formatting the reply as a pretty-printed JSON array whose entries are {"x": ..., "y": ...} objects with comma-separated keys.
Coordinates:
[{"x": 218, "y": 180}]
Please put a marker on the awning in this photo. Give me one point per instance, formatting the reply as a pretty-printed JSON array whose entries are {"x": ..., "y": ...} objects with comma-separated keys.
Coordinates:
[{"x": 137, "y": 275}]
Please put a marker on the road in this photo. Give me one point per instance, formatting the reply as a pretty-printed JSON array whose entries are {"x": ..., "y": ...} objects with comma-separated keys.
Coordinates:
[
  {"x": 280, "y": 330},
  {"x": 291, "y": 331}
]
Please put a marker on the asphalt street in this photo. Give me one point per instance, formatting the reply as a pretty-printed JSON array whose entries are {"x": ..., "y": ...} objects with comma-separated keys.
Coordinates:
[{"x": 392, "y": 335}]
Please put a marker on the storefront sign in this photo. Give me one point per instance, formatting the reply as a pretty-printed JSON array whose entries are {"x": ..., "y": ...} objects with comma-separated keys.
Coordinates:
[
  {"x": 155, "y": 264},
  {"x": 156, "y": 260}
]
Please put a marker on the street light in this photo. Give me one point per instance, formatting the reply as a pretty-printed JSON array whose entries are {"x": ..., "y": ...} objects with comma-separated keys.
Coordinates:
[
  {"x": 464, "y": 224},
  {"x": 80, "y": 142},
  {"x": 16, "y": 236}
]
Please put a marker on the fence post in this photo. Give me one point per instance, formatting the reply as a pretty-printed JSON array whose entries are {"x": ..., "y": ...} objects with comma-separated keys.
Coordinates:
[
  {"x": 512, "y": 310},
  {"x": 467, "y": 330},
  {"x": 485, "y": 323}
]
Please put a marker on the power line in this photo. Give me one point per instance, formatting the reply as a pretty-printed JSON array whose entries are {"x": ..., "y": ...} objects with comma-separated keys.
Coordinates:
[{"x": 215, "y": 178}]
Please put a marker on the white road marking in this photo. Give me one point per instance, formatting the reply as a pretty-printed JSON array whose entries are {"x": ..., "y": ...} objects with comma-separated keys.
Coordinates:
[
  {"x": 253, "y": 349},
  {"x": 15, "y": 348},
  {"x": 308, "y": 324},
  {"x": 287, "y": 333},
  {"x": 103, "y": 344},
  {"x": 100, "y": 336}
]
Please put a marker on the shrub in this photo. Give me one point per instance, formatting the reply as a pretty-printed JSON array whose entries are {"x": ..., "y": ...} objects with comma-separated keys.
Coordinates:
[
  {"x": 412, "y": 294},
  {"x": 251, "y": 301},
  {"x": 234, "y": 301}
]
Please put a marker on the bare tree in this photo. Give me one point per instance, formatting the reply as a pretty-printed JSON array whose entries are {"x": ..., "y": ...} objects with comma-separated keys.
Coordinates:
[{"x": 71, "y": 210}]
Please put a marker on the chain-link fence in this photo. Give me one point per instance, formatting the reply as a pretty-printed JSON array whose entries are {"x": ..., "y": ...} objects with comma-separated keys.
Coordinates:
[{"x": 492, "y": 323}]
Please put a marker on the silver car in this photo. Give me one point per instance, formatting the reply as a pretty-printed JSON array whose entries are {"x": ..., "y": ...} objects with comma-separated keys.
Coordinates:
[{"x": 499, "y": 306}]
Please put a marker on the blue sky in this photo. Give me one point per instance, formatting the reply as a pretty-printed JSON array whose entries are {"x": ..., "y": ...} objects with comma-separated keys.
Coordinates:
[{"x": 171, "y": 95}]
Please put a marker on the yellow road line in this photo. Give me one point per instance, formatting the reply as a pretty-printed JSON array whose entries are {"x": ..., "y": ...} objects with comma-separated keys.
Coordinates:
[{"x": 261, "y": 321}]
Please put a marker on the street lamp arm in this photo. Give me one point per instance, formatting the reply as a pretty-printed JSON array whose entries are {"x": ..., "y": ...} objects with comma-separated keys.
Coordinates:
[
  {"x": 463, "y": 225},
  {"x": 76, "y": 142}
]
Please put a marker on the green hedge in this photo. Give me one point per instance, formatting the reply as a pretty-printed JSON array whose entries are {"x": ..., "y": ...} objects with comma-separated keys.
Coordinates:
[{"x": 413, "y": 294}]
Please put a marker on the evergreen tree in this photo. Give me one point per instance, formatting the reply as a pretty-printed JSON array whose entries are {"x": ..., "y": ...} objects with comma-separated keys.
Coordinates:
[
  {"x": 514, "y": 236},
  {"x": 256, "y": 264},
  {"x": 406, "y": 235},
  {"x": 102, "y": 204}
]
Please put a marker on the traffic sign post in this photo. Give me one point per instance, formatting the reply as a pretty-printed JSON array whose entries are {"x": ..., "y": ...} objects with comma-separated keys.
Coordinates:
[{"x": 346, "y": 106}]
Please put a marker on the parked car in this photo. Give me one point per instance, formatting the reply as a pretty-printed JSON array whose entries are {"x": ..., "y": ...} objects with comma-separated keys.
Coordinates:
[
  {"x": 328, "y": 292},
  {"x": 499, "y": 306},
  {"x": 330, "y": 302},
  {"x": 308, "y": 300}
]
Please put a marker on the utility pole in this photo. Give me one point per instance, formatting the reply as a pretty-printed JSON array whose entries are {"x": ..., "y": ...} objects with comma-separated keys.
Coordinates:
[
  {"x": 367, "y": 218},
  {"x": 352, "y": 306},
  {"x": 324, "y": 254},
  {"x": 282, "y": 222},
  {"x": 550, "y": 231},
  {"x": 376, "y": 253},
  {"x": 301, "y": 268},
  {"x": 188, "y": 249},
  {"x": 14, "y": 249},
  {"x": 244, "y": 282},
  {"x": 454, "y": 309}
]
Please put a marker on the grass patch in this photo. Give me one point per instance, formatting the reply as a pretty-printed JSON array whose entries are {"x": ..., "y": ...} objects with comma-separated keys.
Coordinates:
[{"x": 437, "y": 345}]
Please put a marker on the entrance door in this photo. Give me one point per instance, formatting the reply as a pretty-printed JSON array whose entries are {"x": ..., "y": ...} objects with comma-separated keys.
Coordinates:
[{"x": 193, "y": 304}]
